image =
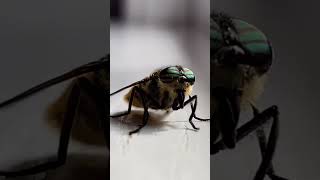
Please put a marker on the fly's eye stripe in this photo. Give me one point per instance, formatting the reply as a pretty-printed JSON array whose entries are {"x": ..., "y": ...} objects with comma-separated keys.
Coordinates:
[
  {"x": 172, "y": 73},
  {"x": 172, "y": 69},
  {"x": 189, "y": 74},
  {"x": 258, "y": 47},
  {"x": 169, "y": 74},
  {"x": 252, "y": 38},
  {"x": 187, "y": 71},
  {"x": 168, "y": 78}
]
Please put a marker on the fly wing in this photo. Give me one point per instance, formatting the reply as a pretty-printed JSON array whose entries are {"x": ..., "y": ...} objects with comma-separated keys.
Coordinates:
[
  {"x": 131, "y": 85},
  {"x": 27, "y": 140},
  {"x": 90, "y": 67}
]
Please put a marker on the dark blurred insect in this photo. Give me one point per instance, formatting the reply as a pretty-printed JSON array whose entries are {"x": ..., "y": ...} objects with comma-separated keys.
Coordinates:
[
  {"x": 164, "y": 89},
  {"x": 240, "y": 57},
  {"x": 83, "y": 107}
]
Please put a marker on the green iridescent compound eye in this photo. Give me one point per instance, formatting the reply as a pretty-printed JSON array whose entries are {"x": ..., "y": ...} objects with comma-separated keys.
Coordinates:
[
  {"x": 169, "y": 74},
  {"x": 232, "y": 33},
  {"x": 172, "y": 73},
  {"x": 189, "y": 75}
]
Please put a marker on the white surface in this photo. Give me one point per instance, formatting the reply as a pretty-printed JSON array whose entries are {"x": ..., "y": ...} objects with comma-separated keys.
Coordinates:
[{"x": 166, "y": 149}]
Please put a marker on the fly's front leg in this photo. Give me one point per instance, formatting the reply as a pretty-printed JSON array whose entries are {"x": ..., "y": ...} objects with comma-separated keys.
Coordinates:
[
  {"x": 193, "y": 108},
  {"x": 251, "y": 126},
  {"x": 263, "y": 148},
  {"x": 263, "y": 145},
  {"x": 271, "y": 144}
]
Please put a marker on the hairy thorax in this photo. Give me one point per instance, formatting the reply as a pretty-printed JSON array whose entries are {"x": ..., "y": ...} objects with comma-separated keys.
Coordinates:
[{"x": 158, "y": 95}]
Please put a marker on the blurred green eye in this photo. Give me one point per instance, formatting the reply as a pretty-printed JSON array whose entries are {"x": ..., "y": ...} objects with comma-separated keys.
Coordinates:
[
  {"x": 189, "y": 75},
  {"x": 169, "y": 74}
]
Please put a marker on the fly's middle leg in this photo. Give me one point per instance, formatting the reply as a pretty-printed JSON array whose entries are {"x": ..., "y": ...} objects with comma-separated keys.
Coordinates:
[
  {"x": 72, "y": 107},
  {"x": 145, "y": 107},
  {"x": 143, "y": 97},
  {"x": 129, "y": 106},
  {"x": 267, "y": 147}
]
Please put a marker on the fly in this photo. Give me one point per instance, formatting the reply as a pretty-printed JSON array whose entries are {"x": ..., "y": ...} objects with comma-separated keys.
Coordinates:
[
  {"x": 240, "y": 57},
  {"x": 164, "y": 89}
]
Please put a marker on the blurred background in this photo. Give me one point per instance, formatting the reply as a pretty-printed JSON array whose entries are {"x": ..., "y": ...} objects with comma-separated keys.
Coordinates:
[
  {"x": 175, "y": 13},
  {"x": 41, "y": 40},
  {"x": 293, "y": 29},
  {"x": 146, "y": 35}
]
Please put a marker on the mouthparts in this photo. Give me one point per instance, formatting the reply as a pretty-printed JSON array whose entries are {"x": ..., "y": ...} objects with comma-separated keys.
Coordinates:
[{"x": 181, "y": 98}]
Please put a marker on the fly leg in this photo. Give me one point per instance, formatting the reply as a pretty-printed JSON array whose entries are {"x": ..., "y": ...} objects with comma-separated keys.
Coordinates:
[
  {"x": 251, "y": 126},
  {"x": 270, "y": 145},
  {"x": 102, "y": 98},
  {"x": 90, "y": 67},
  {"x": 102, "y": 105},
  {"x": 226, "y": 115},
  {"x": 193, "y": 110},
  {"x": 129, "y": 106},
  {"x": 194, "y": 107},
  {"x": 145, "y": 107},
  {"x": 263, "y": 145},
  {"x": 72, "y": 106}
]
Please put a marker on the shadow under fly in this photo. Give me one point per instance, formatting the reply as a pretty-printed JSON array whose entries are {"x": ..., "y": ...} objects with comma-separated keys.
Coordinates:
[
  {"x": 240, "y": 57},
  {"x": 165, "y": 89},
  {"x": 83, "y": 107}
]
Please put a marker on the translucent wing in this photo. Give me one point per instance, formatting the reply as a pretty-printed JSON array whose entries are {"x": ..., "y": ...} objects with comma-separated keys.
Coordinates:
[
  {"x": 26, "y": 139},
  {"x": 133, "y": 84},
  {"x": 90, "y": 67}
]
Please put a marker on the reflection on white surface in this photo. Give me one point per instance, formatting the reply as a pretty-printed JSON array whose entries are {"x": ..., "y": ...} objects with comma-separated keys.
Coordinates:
[{"x": 167, "y": 148}]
